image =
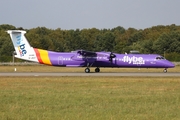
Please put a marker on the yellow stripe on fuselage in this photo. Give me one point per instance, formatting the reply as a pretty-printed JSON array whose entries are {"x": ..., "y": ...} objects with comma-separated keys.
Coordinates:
[{"x": 44, "y": 56}]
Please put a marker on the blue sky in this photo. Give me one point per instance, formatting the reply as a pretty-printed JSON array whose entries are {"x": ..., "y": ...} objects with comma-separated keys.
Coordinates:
[{"x": 73, "y": 14}]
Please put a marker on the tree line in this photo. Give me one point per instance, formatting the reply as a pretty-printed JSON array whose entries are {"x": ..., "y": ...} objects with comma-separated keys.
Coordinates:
[{"x": 163, "y": 40}]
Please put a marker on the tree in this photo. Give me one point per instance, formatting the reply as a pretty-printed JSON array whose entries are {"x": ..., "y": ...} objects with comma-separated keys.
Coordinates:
[
  {"x": 88, "y": 39},
  {"x": 5, "y": 27},
  {"x": 167, "y": 42},
  {"x": 106, "y": 41},
  {"x": 6, "y": 49}
]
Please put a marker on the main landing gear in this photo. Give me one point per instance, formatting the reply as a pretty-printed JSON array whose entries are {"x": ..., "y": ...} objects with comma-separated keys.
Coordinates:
[
  {"x": 97, "y": 69},
  {"x": 87, "y": 70}
]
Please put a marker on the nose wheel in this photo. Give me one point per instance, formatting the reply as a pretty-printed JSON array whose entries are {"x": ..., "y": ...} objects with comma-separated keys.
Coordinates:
[{"x": 165, "y": 70}]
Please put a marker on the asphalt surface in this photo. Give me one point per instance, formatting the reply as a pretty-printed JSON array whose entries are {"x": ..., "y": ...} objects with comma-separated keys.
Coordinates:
[{"x": 89, "y": 74}]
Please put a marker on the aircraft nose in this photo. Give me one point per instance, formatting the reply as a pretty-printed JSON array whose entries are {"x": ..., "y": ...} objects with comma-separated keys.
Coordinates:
[{"x": 169, "y": 64}]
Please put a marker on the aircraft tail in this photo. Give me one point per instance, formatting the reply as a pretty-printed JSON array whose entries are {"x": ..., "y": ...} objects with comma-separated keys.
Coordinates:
[{"x": 21, "y": 45}]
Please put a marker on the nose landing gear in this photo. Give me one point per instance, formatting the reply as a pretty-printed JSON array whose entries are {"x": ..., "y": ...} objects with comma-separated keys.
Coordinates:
[{"x": 165, "y": 70}]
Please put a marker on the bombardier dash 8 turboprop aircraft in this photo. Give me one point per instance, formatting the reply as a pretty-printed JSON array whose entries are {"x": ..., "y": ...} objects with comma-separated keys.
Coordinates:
[{"x": 82, "y": 58}]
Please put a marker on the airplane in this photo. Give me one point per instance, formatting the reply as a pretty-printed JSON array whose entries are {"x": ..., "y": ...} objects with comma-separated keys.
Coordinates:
[{"x": 83, "y": 58}]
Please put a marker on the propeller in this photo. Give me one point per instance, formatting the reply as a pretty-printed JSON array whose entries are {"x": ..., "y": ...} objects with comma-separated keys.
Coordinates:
[{"x": 111, "y": 56}]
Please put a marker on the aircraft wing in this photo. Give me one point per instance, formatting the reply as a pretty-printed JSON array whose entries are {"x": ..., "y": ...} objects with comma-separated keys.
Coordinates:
[{"x": 86, "y": 53}]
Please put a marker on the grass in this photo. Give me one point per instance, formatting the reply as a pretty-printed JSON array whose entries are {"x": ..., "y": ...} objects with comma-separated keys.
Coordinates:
[
  {"x": 89, "y": 98},
  {"x": 44, "y": 68}
]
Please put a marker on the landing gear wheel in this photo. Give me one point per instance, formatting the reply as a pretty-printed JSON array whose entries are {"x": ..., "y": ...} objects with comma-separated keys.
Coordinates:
[
  {"x": 165, "y": 70},
  {"x": 97, "y": 70},
  {"x": 87, "y": 70}
]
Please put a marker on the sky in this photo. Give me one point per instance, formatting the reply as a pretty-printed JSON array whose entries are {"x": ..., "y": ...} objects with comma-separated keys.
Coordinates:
[{"x": 85, "y": 14}]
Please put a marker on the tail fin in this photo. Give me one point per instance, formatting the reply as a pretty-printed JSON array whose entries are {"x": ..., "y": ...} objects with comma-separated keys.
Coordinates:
[{"x": 21, "y": 45}]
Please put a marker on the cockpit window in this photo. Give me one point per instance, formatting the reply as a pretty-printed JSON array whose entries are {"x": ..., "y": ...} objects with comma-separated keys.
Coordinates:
[{"x": 160, "y": 58}]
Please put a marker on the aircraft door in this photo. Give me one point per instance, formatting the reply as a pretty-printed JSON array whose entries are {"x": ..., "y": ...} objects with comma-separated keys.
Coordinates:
[{"x": 60, "y": 60}]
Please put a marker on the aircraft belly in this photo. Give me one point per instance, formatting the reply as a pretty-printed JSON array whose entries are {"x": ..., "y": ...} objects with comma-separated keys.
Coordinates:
[
  {"x": 126, "y": 64},
  {"x": 103, "y": 64},
  {"x": 75, "y": 63},
  {"x": 67, "y": 63}
]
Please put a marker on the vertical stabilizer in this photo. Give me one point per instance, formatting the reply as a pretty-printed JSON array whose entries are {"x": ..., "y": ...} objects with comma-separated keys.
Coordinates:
[{"x": 21, "y": 45}]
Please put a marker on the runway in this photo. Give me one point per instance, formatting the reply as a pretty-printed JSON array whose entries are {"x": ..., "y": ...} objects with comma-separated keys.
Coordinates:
[{"x": 177, "y": 74}]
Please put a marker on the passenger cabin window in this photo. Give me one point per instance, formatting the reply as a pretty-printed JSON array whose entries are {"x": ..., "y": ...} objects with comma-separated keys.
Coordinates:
[{"x": 160, "y": 58}]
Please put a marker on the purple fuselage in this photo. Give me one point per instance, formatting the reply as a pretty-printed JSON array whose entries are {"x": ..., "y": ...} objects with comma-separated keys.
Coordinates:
[{"x": 101, "y": 59}]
